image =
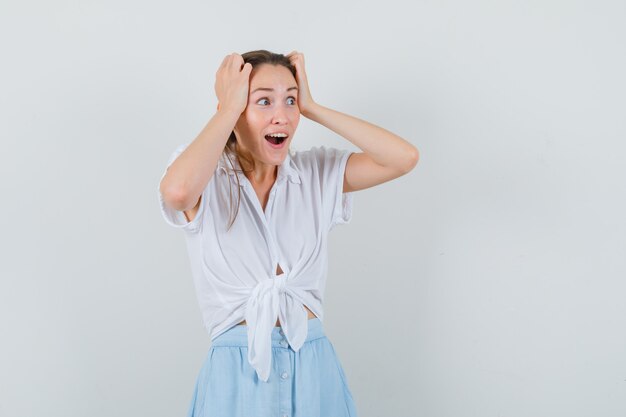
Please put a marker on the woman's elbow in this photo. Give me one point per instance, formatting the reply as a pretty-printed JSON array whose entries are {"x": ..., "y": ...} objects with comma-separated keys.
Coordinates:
[
  {"x": 174, "y": 197},
  {"x": 413, "y": 157}
]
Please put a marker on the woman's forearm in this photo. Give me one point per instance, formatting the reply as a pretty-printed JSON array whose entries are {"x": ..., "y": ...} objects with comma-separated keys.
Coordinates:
[
  {"x": 384, "y": 147},
  {"x": 189, "y": 174}
]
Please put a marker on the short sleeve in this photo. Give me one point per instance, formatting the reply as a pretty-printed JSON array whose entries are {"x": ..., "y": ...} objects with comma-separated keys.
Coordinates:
[
  {"x": 176, "y": 218},
  {"x": 337, "y": 204}
]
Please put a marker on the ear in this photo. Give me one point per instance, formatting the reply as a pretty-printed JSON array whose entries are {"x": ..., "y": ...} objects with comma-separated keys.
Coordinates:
[{"x": 218, "y": 105}]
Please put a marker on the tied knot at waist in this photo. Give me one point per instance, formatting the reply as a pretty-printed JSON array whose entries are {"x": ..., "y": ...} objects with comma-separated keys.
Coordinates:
[
  {"x": 279, "y": 283},
  {"x": 269, "y": 300}
]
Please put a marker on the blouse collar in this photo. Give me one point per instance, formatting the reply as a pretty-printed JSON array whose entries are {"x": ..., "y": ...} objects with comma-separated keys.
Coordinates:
[{"x": 286, "y": 170}]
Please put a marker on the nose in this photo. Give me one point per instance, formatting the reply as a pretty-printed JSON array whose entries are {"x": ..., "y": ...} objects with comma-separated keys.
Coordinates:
[{"x": 279, "y": 117}]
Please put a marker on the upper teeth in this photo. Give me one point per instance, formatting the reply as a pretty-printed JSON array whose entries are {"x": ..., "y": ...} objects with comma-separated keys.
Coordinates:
[{"x": 278, "y": 135}]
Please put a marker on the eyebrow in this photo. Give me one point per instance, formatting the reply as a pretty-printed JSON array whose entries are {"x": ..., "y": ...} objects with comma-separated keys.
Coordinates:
[{"x": 271, "y": 89}]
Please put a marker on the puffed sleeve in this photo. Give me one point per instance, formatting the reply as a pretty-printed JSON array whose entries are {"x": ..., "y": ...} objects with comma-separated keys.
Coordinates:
[
  {"x": 332, "y": 166},
  {"x": 176, "y": 218}
]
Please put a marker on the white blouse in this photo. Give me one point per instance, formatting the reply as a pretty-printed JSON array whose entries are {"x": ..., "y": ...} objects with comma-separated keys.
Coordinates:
[{"x": 234, "y": 271}]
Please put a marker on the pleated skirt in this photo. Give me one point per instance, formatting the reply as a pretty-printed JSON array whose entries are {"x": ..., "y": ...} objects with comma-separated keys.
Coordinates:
[{"x": 307, "y": 383}]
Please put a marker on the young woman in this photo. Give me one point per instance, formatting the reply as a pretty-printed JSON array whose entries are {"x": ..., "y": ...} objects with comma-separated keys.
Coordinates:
[{"x": 259, "y": 260}]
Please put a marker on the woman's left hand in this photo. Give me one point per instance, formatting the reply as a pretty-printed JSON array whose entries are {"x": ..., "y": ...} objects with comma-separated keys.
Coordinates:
[{"x": 305, "y": 101}]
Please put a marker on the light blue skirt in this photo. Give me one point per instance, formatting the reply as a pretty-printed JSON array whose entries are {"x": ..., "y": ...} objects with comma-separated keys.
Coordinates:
[{"x": 307, "y": 383}]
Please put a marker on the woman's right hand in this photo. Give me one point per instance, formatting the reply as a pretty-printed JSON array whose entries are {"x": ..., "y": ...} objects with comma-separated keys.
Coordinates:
[{"x": 232, "y": 82}]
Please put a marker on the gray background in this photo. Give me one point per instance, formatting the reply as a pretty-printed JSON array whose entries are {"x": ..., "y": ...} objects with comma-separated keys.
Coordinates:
[{"x": 487, "y": 282}]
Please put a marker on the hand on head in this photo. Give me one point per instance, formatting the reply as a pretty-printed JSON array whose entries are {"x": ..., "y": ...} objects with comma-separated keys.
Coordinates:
[
  {"x": 305, "y": 101},
  {"x": 232, "y": 83}
]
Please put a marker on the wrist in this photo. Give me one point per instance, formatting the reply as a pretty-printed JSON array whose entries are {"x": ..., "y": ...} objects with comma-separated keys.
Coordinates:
[
  {"x": 229, "y": 112},
  {"x": 311, "y": 111}
]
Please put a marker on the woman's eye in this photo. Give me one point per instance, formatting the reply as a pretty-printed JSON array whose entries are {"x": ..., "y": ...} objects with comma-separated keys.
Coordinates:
[{"x": 290, "y": 98}]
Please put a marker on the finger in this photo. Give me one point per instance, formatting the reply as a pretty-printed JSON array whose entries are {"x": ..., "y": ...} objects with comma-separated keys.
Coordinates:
[
  {"x": 224, "y": 63},
  {"x": 227, "y": 61},
  {"x": 233, "y": 61},
  {"x": 238, "y": 58}
]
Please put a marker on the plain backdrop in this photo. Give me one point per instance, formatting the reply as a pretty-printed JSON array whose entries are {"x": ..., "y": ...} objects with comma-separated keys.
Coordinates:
[{"x": 489, "y": 281}]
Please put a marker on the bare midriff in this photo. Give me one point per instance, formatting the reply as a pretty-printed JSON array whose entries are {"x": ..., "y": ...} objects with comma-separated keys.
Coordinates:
[{"x": 309, "y": 314}]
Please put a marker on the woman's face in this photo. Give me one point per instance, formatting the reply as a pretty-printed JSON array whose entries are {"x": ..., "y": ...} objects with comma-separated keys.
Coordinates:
[{"x": 272, "y": 107}]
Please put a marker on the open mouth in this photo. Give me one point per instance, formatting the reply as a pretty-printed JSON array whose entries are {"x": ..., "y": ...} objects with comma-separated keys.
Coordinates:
[{"x": 275, "y": 141}]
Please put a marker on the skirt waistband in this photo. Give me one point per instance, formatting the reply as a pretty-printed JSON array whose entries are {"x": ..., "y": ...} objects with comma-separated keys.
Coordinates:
[{"x": 238, "y": 334}]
